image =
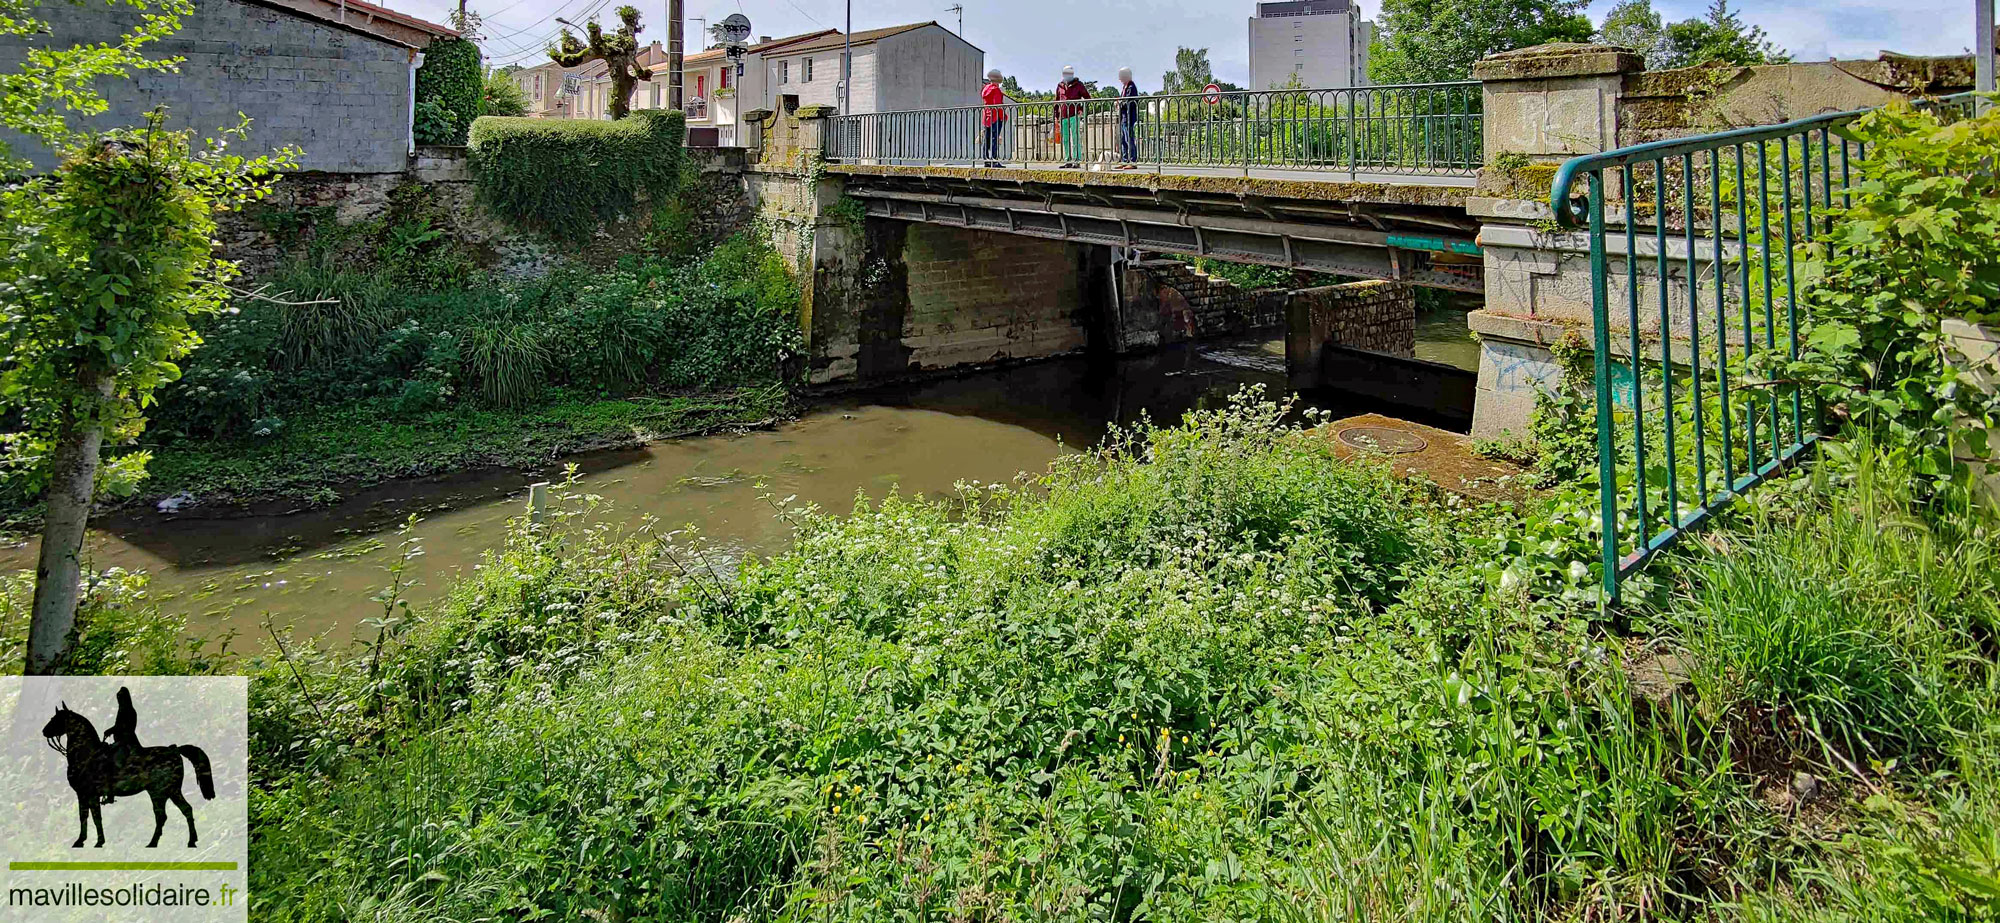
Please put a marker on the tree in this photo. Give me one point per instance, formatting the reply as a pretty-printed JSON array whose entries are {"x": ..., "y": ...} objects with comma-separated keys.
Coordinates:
[
  {"x": 1720, "y": 37},
  {"x": 1014, "y": 91},
  {"x": 106, "y": 264},
  {"x": 500, "y": 95},
  {"x": 54, "y": 82},
  {"x": 1426, "y": 41},
  {"x": 619, "y": 52},
  {"x": 1636, "y": 25},
  {"x": 1191, "y": 73}
]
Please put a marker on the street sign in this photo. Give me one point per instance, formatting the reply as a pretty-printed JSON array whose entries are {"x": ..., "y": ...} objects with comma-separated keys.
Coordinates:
[
  {"x": 1214, "y": 93},
  {"x": 572, "y": 85},
  {"x": 734, "y": 29}
]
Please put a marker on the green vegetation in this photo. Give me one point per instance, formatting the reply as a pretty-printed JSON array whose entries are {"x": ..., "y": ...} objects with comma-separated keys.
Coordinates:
[
  {"x": 449, "y": 91},
  {"x": 619, "y": 51},
  {"x": 403, "y": 359},
  {"x": 567, "y": 177},
  {"x": 500, "y": 95},
  {"x": 1720, "y": 37},
  {"x": 1206, "y": 672},
  {"x": 1426, "y": 41},
  {"x": 1918, "y": 241}
]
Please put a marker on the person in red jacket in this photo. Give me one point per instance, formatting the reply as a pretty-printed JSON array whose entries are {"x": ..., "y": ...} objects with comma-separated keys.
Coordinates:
[
  {"x": 1071, "y": 114},
  {"x": 994, "y": 119}
]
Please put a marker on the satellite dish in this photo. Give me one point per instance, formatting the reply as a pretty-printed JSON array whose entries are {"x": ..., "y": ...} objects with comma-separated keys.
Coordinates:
[{"x": 733, "y": 29}]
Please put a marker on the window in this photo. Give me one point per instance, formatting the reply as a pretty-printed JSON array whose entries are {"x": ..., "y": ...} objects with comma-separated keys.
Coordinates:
[
  {"x": 656, "y": 95},
  {"x": 784, "y": 72},
  {"x": 724, "y": 83},
  {"x": 701, "y": 86},
  {"x": 1298, "y": 52},
  {"x": 538, "y": 87},
  {"x": 807, "y": 76}
]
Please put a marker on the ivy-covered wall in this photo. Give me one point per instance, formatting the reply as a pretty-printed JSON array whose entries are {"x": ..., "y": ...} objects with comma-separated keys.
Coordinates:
[
  {"x": 448, "y": 91},
  {"x": 569, "y": 177}
]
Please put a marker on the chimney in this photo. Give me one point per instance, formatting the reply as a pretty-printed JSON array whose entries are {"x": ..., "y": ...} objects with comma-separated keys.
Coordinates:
[{"x": 763, "y": 39}]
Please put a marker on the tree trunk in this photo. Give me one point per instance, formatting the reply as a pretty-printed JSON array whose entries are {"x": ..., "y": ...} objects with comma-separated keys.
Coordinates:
[{"x": 72, "y": 478}]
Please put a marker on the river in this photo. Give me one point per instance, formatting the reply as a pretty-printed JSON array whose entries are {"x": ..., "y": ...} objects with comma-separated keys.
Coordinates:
[{"x": 318, "y": 570}]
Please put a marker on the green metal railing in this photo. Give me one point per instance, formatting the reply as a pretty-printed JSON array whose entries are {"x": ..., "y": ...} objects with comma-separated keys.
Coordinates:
[
  {"x": 1691, "y": 258},
  {"x": 1432, "y": 128}
]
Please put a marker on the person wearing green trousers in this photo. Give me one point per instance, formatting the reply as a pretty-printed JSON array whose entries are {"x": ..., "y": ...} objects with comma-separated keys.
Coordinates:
[{"x": 1071, "y": 116}]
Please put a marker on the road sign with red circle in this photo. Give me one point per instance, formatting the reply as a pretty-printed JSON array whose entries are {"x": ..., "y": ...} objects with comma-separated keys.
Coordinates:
[{"x": 1214, "y": 93}]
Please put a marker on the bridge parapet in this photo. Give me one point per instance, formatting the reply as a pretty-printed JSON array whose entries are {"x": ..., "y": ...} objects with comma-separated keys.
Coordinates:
[{"x": 1546, "y": 104}]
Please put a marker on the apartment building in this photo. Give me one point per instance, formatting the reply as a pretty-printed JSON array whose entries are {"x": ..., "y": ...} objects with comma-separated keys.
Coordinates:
[{"x": 1310, "y": 43}]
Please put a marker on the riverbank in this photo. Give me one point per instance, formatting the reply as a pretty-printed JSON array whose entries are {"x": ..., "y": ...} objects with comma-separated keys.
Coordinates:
[
  {"x": 321, "y": 457},
  {"x": 1209, "y": 672}
]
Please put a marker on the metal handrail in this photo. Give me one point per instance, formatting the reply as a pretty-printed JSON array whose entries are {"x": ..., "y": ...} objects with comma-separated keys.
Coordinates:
[
  {"x": 1428, "y": 128},
  {"x": 1734, "y": 204}
]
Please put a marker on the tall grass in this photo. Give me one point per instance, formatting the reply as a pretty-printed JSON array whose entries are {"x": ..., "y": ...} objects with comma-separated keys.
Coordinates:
[{"x": 1849, "y": 612}]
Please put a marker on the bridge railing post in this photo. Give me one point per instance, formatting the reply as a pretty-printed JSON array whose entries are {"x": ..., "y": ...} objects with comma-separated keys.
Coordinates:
[{"x": 1539, "y": 106}]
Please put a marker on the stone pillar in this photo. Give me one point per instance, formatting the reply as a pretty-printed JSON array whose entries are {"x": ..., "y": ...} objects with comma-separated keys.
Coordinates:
[{"x": 1542, "y": 105}]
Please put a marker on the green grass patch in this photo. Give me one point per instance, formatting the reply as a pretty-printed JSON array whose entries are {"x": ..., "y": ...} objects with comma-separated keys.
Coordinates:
[{"x": 361, "y": 445}]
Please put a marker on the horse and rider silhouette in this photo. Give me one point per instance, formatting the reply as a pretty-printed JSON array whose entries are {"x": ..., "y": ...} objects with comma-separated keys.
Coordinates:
[{"x": 102, "y": 770}]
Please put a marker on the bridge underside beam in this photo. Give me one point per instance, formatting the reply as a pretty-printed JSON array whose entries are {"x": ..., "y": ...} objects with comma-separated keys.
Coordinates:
[{"x": 1363, "y": 252}]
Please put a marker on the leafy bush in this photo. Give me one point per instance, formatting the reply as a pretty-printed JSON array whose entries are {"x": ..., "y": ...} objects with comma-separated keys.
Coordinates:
[
  {"x": 449, "y": 89},
  {"x": 1918, "y": 243},
  {"x": 502, "y": 96},
  {"x": 365, "y": 336},
  {"x": 567, "y": 177}
]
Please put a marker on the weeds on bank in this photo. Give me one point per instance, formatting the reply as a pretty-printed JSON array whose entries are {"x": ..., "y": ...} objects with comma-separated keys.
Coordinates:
[{"x": 1204, "y": 672}]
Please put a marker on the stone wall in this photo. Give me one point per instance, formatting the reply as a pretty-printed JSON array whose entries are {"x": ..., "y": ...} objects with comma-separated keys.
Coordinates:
[
  {"x": 976, "y": 296},
  {"x": 338, "y": 95},
  {"x": 717, "y": 205},
  {"x": 1377, "y": 316},
  {"x": 1169, "y": 301}
]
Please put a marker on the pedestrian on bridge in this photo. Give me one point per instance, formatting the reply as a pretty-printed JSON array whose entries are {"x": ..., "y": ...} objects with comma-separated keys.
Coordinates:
[
  {"x": 995, "y": 118},
  {"x": 1071, "y": 115},
  {"x": 1128, "y": 121}
]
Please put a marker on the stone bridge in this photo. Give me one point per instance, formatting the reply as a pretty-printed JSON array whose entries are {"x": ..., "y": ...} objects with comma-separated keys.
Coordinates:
[{"x": 924, "y": 266}]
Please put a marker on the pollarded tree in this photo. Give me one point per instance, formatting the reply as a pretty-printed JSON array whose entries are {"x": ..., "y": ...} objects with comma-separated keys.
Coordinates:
[
  {"x": 619, "y": 52},
  {"x": 104, "y": 264}
]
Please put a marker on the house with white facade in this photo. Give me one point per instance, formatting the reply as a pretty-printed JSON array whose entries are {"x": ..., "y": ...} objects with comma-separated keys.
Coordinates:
[
  {"x": 718, "y": 87},
  {"x": 916, "y": 66}
]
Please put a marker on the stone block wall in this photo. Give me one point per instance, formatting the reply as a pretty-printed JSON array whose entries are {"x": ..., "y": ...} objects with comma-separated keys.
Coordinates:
[
  {"x": 1377, "y": 316},
  {"x": 339, "y": 96},
  {"x": 258, "y": 236},
  {"x": 977, "y": 296},
  {"x": 1169, "y": 301}
]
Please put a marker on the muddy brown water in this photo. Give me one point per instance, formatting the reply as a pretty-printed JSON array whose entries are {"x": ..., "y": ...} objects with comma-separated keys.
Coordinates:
[{"x": 317, "y": 570}]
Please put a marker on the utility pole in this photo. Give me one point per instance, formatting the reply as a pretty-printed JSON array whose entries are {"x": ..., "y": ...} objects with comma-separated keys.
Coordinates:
[
  {"x": 847, "y": 63},
  {"x": 674, "y": 57},
  {"x": 958, "y": 8},
  {"x": 1982, "y": 55}
]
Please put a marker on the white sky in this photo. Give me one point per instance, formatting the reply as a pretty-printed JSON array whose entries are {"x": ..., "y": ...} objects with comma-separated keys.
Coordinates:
[{"x": 1033, "y": 39}]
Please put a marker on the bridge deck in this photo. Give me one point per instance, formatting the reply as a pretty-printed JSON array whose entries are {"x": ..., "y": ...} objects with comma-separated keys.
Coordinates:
[{"x": 1437, "y": 190}]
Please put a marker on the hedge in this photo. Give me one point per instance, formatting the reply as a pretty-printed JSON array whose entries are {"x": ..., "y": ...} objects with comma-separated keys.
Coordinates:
[
  {"x": 566, "y": 177},
  {"x": 451, "y": 78}
]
